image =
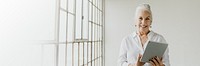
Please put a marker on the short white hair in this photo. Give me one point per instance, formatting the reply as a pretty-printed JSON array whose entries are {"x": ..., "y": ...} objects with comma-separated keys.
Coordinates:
[{"x": 145, "y": 7}]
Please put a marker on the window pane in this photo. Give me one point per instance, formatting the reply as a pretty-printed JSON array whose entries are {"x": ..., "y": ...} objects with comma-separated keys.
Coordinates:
[
  {"x": 78, "y": 19},
  {"x": 85, "y": 20},
  {"x": 61, "y": 57},
  {"x": 71, "y": 6},
  {"x": 70, "y": 26},
  {"x": 100, "y": 4},
  {"x": 93, "y": 31},
  {"x": 85, "y": 52},
  {"x": 81, "y": 53},
  {"x": 100, "y": 33},
  {"x": 76, "y": 48},
  {"x": 100, "y": 18},
  {"x": 90, "y": 31},
  {"x": 48, "y": 55},
  {"x": 96, "y": 29},
  {"x": 94, "y": 14},
  {"x": 63, "y": 4},
  {"x": 90, "y": 12},
  {"x": 93, "y": 51},
  {"x": 62, "y": 29},
  {"x": 89, "y": 52},
  {"x": 69, "y": 54}
]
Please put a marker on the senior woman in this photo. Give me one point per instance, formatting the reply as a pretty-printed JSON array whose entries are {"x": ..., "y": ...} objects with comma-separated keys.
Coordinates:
[{"x": 133, "y": 45}]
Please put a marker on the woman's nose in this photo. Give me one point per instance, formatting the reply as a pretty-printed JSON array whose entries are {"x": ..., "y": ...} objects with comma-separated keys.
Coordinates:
[{"x": 143, "y": 22}]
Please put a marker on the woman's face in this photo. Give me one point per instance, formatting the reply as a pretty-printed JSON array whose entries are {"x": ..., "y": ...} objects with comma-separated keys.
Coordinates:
[{"x": 143, "y": 21}]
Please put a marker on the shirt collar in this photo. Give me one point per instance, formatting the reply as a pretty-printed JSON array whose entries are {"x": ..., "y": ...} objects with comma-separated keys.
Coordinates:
[{"x": 150, "y": 34}]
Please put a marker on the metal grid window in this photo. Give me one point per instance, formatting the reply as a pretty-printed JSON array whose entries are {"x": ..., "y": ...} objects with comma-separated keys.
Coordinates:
[{"x": 79, "y": 34}]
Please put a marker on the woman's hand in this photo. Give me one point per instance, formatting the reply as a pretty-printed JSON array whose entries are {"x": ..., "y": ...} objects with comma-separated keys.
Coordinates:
[
  {"x": 138, "y": 63},
  {"x": 156, "y": 61}
]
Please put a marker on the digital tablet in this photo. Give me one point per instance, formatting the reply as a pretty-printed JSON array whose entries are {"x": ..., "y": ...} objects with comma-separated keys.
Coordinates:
[{"x": 153, "y": 49}]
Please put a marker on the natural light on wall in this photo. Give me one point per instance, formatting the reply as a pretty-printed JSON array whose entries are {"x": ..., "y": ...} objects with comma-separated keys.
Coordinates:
[{"x": 52, "y": 33}]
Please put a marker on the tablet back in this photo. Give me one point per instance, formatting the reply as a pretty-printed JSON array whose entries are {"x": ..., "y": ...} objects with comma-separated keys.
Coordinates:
[{"x": 153, "y": 49}]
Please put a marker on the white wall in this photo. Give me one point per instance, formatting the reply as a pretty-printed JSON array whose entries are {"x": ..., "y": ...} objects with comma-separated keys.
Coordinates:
[
  {"x": 21, "y": 22},
  {"x": 176, "y": 20}
]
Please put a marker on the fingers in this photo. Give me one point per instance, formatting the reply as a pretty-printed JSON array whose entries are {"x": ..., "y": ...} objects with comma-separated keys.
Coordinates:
[
  {"x": 156, "y": 61},
  {"x": 139, "y": 57},
  {"x": 159, "y": 60},
  {"x": 139, "y": 63},
  {"x": 151, "y": 62}
]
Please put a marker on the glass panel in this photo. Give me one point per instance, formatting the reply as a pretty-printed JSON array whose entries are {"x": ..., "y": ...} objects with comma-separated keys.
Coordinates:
[
  {"x": 96, "y": 37},
  {"x": 97, "y": 16},
  {"x": 96, "y": 63},
  {"x": 61, "y": 57},
  {"x": 76, "y": 48},
  {"x": 90, "y": 12},
  {"x": 95, "y": 10},
  {"x": 93, "y": 31},
  {"x": 78, "y": 19},
  {"x": 96, "y": 51},
  {"x": 94, "y": 2},
  {"x": 43, "y": 28},
  {"x": 70, "y": 27},
  {"x": 100, "y": 4},
  {"x": 93, "y": 51},
  {"x": 85, "y": 19},
  {"x": 89, "y": 64},
  {"x": 94, "y": 14},
  {"x": 62, "y": 29},
  {"x": 48, "y": 55},
  {"x": 100, "y": 33},
  {"x": 97, "y": 33},
  {"x": 90, "y": 0},
  {"x": 89, "y": 52},
  {"x": 100, "y": 18},
  {"x": 69, "y": 54},
  {"x": 99, "y": 54},
  {"x": 81, "y": 53},
  {"x": 85, "y": 52},
  {"x": 100, "y": 61},
  {"x": 92, "y": 63},
  {"x": 63, "y": 4},
  {"x": 101, "y": 49},
  {"x": 71, "y": 5},
  {"x": 90, "y": 33}
]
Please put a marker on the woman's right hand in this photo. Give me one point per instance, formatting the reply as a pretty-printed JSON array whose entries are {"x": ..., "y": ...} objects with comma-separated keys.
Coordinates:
[{"x": 138, "y": 63}]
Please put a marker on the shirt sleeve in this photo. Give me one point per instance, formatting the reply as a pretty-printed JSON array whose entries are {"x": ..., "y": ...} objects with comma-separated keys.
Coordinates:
[
  {"x": 166, "y": 54},
  {"x": 122, "y": 60}
]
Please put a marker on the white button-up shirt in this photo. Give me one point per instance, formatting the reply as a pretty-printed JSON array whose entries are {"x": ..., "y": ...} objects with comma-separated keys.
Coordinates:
[{"x": 131, "y": 47}]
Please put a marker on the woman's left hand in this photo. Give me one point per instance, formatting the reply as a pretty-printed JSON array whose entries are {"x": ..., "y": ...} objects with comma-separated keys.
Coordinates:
[{"x": 156, "y": 61}]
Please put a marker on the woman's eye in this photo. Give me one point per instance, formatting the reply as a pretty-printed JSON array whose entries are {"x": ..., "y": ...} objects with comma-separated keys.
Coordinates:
[
  {"x": 140, "y": 18},
  {"x": 147, "y": 19}
]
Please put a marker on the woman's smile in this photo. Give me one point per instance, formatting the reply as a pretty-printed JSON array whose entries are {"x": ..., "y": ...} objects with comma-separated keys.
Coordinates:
[{"x": 143, "y": 26}]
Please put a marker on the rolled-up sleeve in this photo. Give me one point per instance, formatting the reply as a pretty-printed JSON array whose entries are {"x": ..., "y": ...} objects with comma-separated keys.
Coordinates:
[{"x": 122, "y": 60}]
